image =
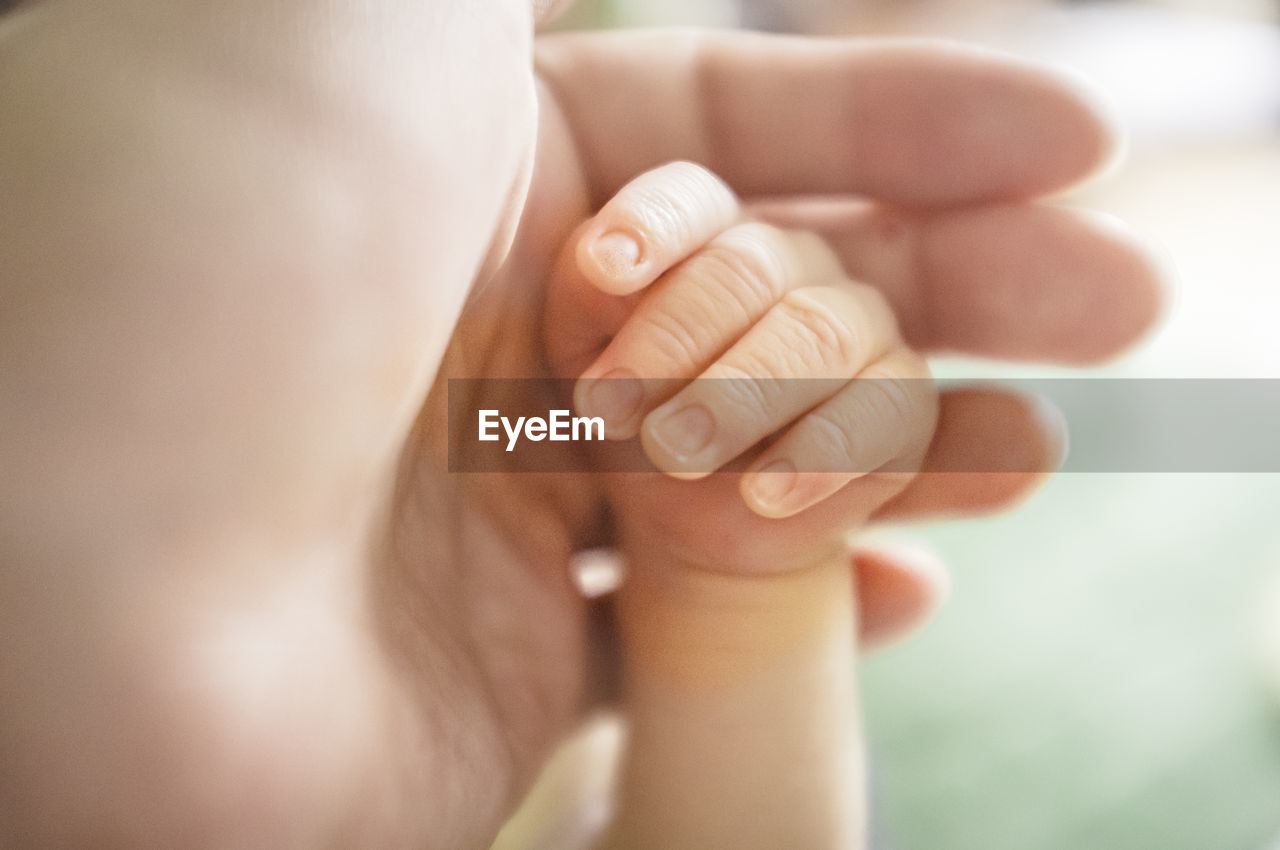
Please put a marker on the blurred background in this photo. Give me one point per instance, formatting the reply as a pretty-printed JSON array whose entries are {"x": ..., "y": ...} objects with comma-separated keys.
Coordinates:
[{"x": 1107, "y": 674}]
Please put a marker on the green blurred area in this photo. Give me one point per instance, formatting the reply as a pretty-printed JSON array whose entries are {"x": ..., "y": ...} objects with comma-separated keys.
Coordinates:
[{"x": 1094, "y": 682}]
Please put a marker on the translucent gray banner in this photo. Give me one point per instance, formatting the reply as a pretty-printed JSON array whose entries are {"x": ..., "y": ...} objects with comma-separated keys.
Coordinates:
[{"x": 1115, "y": 425}]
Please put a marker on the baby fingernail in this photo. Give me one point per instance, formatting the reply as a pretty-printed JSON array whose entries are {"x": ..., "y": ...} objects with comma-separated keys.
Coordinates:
[
  {"x": 686, "y": 432},
  {"x": 615, "y": 397},
  {"x": 770, "y": 485},
  {"x": 616, "y": 253}
]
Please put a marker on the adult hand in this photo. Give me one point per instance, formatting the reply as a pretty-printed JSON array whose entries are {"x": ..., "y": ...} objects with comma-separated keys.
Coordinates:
[{"x": 938, "y": 156}]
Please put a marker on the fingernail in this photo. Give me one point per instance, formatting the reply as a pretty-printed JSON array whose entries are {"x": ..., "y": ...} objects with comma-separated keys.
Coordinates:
[
  {"x": 686, "y": 432},
  {"x": 616, "y": 253},
  {"x": 615, "y": 396},
  {"x": 770, "y": 485}
]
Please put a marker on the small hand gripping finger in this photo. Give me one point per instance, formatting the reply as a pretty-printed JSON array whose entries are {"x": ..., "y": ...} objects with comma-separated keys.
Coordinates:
[
  {"x": 800, "y": 354},
  {"x": 694, "y": 314}
]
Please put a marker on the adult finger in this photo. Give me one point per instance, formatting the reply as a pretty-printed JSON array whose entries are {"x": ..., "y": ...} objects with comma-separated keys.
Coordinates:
[
  {"x": 1020, "y": 281},
  {"x": 990, "y": 449},
  {"x": 908, "y": 122}
]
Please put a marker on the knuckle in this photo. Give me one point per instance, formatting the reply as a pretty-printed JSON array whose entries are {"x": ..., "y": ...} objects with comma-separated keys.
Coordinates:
[
  {"x": 744, "y": 391},
  {"x": 761, "y": 361},
  {"x": 833, "y": 438},
  {"x": 903, "y": 385},
  {"x": 674, "y": 337},
  {"x": 893, "y": 398},
  {"x": 746, "y": 263},
  {"x": 901, "y": 405},
  {"x": 821, "y": 332}
]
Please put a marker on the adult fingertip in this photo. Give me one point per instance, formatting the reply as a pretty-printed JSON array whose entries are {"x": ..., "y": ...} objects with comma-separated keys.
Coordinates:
[
  {"x": 1103, "y": 144},
  {"x": 900, "y": 587},
  {"x": 1066, "y": 126},
  {"x": 1040, "y": 281},
  {"x": 958, "y": 123},
  {"x": 1078, "y": 127},
  {"x": 1148, "y": 282}
]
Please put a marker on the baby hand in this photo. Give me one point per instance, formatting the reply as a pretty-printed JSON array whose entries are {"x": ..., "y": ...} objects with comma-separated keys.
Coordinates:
[{"x": 714, "y": 337}]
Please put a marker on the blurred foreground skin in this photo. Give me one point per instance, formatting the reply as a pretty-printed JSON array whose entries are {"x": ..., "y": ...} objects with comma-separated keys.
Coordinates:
[{"x": 242, "y": 603}]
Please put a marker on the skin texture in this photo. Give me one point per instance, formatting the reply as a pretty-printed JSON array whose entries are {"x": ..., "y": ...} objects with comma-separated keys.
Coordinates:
[{"x": 246, "y": 244}]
